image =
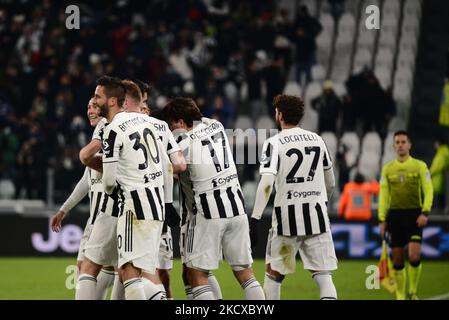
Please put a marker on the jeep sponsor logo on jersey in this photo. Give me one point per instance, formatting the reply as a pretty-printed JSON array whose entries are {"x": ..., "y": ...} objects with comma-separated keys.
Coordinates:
[
  {"x": 302, "y": 194},
  {"x": 220, "y": 181}
]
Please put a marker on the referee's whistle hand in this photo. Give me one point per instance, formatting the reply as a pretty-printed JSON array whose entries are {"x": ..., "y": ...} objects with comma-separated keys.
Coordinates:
[{"x": 422, "y": 220}]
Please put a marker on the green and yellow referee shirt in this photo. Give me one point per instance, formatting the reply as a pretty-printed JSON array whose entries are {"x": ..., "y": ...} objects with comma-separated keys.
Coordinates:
[{"x": 405, "y": 185}]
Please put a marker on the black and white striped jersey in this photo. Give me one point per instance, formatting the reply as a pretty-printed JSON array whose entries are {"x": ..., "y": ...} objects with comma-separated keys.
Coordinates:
[
  {"x": 211, "y": 171},
  {"x": 132, "y": 141},
  {"x": 166, "y": 136},
  {"x": 298, "y": 159}
]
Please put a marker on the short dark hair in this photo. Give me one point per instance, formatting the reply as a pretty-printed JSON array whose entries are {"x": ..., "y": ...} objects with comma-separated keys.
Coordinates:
[
  {"x": 113, "y": 87},
  {"x": 402, "y": 133},
  {"x": 182, "y": 108},
  {"x": 292, "y": 108},
  {"x": 144, "y": 87},
  {"x": 132, "y": 90}
]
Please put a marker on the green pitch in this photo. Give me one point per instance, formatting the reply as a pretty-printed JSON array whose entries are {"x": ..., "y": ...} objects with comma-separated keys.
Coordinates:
[{"x": 46, "y": 278}]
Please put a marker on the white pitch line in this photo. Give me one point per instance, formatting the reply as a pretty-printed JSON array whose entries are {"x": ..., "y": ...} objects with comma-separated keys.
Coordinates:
[{"x": 440, "y": 297}]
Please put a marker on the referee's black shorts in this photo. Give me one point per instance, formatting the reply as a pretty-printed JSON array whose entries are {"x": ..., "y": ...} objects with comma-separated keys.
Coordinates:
[{"x": 402, "y": 227}]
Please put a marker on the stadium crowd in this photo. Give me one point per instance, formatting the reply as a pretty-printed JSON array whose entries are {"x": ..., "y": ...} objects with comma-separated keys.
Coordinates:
[{"x": 204, "y": 49}]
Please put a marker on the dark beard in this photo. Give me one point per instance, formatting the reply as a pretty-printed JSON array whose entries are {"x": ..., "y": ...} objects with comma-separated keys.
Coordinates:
[{"x": 103, "y": 111}]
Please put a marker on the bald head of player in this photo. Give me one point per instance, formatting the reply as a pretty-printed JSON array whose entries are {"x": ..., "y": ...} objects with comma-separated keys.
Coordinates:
[
  {"x": 289, "y": 111},
  {"x": 402, "y": 144},
  {"x": 109, "y": 96},
  {"x": 181, "y": 113}
]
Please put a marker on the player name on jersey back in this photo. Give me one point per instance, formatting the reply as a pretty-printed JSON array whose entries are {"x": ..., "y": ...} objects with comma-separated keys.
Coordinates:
[{"x": 298, "y": 159}]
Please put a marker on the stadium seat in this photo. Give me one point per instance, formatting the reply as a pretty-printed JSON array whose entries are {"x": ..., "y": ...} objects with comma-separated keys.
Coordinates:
[
  {"x": 388, "y": 153},
  {"x": 369, "y": 165},
  {"x": 344, "y": 43},
  {"x": 346, "y": 24},
  {"x": 293, "y": 88},
  {"x": 403, "y": 76},
  {"x": 352, "y": 143},
  {"x": 340, "y": 89},
  {"x": 327, "y": 22},
  {"x": 387, "y": 40},
  {"x": 363, "y": 56},
  {"x": 312, "y": 5},
  {"x": 371, "y": 143},
  {"x": 391, "y": 7},
  {"x": 406, "y": 58},
  {"x": 331, "y": 142},
  {"x": 366, "y": 38},
  {"x": 243, "y": 122},
  {"x": 324, "y": 43},
  {"x": 383, "y": 74},
  {"x": 265, "y": 122},
  {"x": 412, "y": 7},
  {"x": 313, "y": 90},
  {"x": 231, "y": 92},
  {"x": 384, "y": 58},
  {"x": 318, "y": 73},
  {"x": 310, "y": 120}
]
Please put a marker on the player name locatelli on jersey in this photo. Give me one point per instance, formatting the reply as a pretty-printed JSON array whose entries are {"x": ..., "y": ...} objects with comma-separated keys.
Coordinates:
[{"x": 298, "y": 137}]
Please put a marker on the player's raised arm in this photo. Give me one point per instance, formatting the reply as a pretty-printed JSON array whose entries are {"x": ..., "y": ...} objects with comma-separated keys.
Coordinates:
[
  {"x": 177, "y": 159},
  {"x": 79, "y": 192}
]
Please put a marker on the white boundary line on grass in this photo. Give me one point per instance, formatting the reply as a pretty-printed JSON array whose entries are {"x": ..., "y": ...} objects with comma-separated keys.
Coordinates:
[{"x": 440, "y": 297}]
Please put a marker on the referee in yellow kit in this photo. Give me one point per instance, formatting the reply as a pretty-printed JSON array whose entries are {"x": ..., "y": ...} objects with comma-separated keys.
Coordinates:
[{"x": 405, "y": 200}]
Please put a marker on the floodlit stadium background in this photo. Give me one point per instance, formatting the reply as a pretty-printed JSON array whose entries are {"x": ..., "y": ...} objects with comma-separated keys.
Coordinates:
[{"x": 233, "y": 57}]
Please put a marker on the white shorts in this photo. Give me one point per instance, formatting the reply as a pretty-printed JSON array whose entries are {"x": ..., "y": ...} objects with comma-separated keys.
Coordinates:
[
  {"x": 208, "y": 239},
  {"x": 84, "y": 238},
  {"x": 138, "y": 241},
  {"x": 317, "y": 252},
  {"x": 101, "y": 247},
  {"x": 165, "y": 261}
]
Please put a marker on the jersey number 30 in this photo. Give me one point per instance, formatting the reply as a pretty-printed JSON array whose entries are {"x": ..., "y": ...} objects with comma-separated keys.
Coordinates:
[{"x": 145, "y": 148}]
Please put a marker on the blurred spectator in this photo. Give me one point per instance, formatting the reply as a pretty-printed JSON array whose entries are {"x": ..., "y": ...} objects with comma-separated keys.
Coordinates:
[
  {"x": 373, "y": 106},
  {"x": 328, "y": 106},
  {"x": 355, "y": 201},
  {"x": 306, "y": 29},
  {"x": 9, "y": 145},
  {"x": 337, "y": 8},
  {"x": 438, "y": 169},
  {"x": 444, "y": 107},
  {"x": 219, "y": 108}
]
